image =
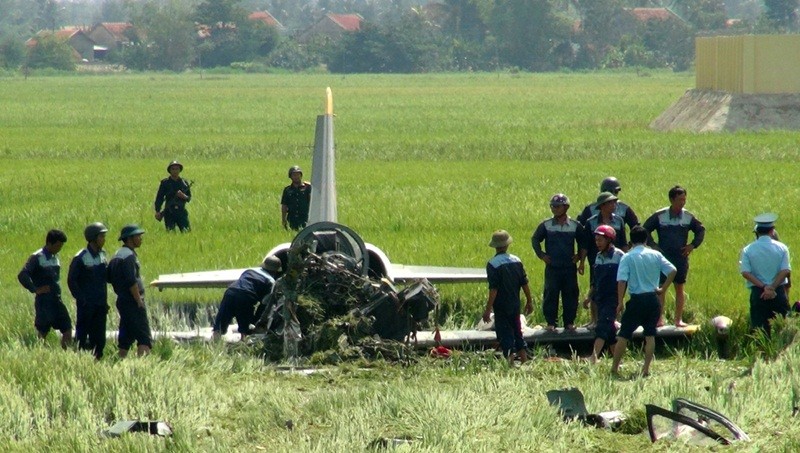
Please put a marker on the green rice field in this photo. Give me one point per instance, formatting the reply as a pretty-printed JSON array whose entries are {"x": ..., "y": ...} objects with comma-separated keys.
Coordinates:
[{"x": 427, "y": 167}]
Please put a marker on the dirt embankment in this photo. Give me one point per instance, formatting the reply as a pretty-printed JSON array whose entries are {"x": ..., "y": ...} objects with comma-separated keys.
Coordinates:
[{"x": 714, "y": 111}]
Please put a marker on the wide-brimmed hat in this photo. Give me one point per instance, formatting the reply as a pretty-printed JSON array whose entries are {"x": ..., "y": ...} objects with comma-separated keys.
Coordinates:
[
  {"x": 130, "y": 230},
  {"x": 500, "y": 238},
  {"x": 605, "y": 197}
]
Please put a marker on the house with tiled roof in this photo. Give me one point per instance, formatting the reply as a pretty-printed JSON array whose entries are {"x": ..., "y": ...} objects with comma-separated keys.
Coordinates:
[
  {"x": 267, "y": 18},
  {"x": 112, "y": 35},
  {"x": 81, "y": 43},
  {"x": 332, "y": 26},
  {"x": 647, "y": 14}
]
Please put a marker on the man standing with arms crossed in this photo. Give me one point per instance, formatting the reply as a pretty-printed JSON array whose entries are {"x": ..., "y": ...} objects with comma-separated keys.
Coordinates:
[
  {"x": 639, "y": 273},
  {"x": 765, "y": 265}
]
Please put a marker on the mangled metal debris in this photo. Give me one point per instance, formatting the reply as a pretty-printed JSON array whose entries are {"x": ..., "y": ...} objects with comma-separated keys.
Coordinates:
[
  {"x": 156, "y": 428},
  {"x": 693, "y": 424},
  {"x": 326, "y": 305},
  {"x": 571, "y": 406}
]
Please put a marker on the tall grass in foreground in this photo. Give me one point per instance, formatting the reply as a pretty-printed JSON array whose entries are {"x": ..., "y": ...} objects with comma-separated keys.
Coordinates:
[{"x": 428, "y": 167}]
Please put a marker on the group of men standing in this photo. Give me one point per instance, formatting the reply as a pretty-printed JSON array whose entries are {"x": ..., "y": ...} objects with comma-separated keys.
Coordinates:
[
  {"x": 642, "y": 267},
  {"x": 89, "y": 273},
  {"x": 598, "y": 234}
]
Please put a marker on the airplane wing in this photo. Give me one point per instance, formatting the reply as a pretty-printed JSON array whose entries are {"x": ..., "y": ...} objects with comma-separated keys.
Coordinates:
[
  {"x": 207, "y": 279},
  {"x": 402, "y": 273}
]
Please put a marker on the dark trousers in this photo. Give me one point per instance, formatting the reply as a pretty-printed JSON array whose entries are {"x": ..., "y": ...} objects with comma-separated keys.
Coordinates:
[
  {"x": 762, "y": 311},
  {"x": 508, "y": 328},
  {"x": 561, "y": 281},
  {"x": 606, "y": 315},
  {"x": 176, "y": 217},
  {"x": 235, "y": 304},
  {"x": 90, "y": 328}
]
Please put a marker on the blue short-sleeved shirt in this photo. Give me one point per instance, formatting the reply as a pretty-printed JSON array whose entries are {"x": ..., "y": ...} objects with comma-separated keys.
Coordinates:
[
  {"x": 764, "y": 258},
  {"x": 641, "y": 268},
  {"x": 673, "y": 230}
]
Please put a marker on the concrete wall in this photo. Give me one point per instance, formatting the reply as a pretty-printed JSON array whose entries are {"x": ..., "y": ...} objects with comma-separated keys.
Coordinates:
[{"x": 748, "y": 64}]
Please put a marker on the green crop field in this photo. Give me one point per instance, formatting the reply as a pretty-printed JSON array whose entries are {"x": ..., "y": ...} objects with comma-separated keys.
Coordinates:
[{"x": 427, "y": 167}]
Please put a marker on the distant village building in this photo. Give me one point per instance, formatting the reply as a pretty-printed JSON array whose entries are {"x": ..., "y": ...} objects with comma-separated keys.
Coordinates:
[
  {"x": 82, "y": 45},
  {"x": 267, "y": 18},
  {"x": 648, "y": 14},
  {"x": 112, "y": 35},
  {"x": 332, "y": 27}
]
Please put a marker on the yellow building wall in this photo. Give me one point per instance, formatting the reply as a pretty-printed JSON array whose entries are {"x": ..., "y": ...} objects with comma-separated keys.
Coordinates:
[{"x": 748, "y": 63}]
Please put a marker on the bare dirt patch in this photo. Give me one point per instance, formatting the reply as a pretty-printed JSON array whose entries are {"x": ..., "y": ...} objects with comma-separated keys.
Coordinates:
[{"x": 715, "y": 111}]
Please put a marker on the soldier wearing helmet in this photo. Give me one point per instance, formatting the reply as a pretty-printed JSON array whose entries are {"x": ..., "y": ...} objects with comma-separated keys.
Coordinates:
[
  {"x": 606, "y": 215},
  {"x": 124, "y": 274},
  {"x": 87, "y": 283},
  {"x": 622, "y": 210},
  {"x": 295, "y": 201},
  {"x": 241, "y": 297},
  {"x": 40, "y": 276},
  {"x": 603, "y": 290},
  {"x": 173, "y": 194},
  {"x": 564, "y": 253}
]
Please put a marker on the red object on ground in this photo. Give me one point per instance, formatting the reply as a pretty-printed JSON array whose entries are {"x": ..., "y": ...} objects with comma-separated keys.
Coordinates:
[{"x": 440, "y": 352}]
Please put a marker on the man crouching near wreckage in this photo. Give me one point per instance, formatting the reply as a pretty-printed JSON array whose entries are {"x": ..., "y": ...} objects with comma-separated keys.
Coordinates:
[
  {"x": 241, "y": 297},
  {"x": 506, "y": 275},
  {"x": 639, "y": 272}
]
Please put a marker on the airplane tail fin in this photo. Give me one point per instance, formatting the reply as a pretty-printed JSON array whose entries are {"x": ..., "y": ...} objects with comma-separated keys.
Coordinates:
[{"x": 323, "y": 169}]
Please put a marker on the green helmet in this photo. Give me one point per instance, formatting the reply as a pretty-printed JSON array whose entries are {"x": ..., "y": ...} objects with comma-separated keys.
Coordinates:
[
  {"x": 130, "y": 230},
  {"x": 295, "y": 169},
  {"x": 610, "y": 184},
  {"x": 173, "y": 163},
  {"x": 271, "y": 263},
  {"x": 92, "y": 231}
]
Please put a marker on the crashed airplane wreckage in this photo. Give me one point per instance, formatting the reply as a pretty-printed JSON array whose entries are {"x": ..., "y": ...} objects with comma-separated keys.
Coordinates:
[
  {"x": 371, "y": 262},
  {"x": 326, "y": 303}
]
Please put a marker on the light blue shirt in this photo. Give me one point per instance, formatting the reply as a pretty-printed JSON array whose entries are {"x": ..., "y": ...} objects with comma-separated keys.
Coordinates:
[
  {"x": 641, "y": 268},
  {"x": 764, "y": 258}
]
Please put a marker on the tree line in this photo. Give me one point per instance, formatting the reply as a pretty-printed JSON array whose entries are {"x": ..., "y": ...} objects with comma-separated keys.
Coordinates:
[{"x": 396, "y": 36}]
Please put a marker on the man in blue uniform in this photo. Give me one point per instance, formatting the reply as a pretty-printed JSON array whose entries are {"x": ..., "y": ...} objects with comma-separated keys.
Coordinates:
[
  {"x": 765, "y": 265},
  {"x": 506, "y": 276},
  {"x": 173, "y": 193},
  {"x": 124, "y": 274},
  {"x": 295, "y": 201},
  {"x": 639, "y": 273},
  {"x": 87, "y": 283},
  {"x": 611, "y": 185},
  {"x": 673, "y": 225},
  {"x": 40, "y": 276},
  {"x": 603, "y": 292},
  {"x": 241, "y": 297},
  {"x": 564, "y": 254}
]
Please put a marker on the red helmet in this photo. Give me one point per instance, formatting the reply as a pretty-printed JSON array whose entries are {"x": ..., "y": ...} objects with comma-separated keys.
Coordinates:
[{"x": 607, "y": 231}]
